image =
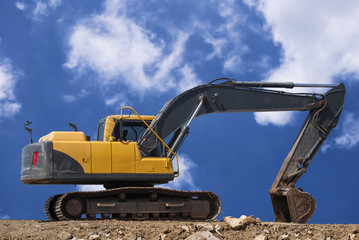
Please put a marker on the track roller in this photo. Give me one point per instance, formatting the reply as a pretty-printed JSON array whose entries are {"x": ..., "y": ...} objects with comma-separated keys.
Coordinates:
[
  {"x": 91, "y": 216},
  {"x": 69, "y": 207},
  {"x": 105, "y": 215}
]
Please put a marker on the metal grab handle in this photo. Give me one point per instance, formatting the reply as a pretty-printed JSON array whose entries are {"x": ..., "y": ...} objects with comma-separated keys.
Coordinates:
[{"x": 174, "y": 154}]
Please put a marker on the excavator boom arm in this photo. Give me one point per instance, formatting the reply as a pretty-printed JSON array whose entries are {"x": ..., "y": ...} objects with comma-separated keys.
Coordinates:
[{"x": 221, "y": 98}]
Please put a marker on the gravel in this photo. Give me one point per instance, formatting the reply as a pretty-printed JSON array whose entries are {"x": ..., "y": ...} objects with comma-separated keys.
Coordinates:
[{"x": 161, "y": 230}]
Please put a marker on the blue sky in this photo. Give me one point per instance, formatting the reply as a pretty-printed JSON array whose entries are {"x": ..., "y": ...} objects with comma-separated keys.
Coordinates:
[{"x": 79, "y": 61}]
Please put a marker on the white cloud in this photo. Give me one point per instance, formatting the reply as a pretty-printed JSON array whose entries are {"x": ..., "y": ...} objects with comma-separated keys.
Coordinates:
[
  {"x": 317, "y": 46},
  {"x": 122, "y": 52},
  {"x": 185, "y": 179},
  {"x": 20, "y": 5},
  {"x": 225, "y": 36},
  {"x": 264, "y": 62},
  {"x": 118, "y": 98},
  {"x": 233, "y": 64},
  {"x": 69, "y": 98},
  {"x": 232, "y": 18},
  {"x": 346, "y": 135},
  {"x": 40, "y": 10},
  {"x": 55, "y": 3},
  {"x": 118, "y": 101},
  {"x": 9, "y": 109},
  {"x": 37, "y": 10},
  {"x": 90, "y": 188},
  {"x": 8, "y": 78},
  {"x": 5, "y": 216},
  {"x": 277, "y": 118},
  {"x": 188, "y": 79},
  {"x": 218, "y": 45},
  {"x": 325, "y": 147},
  {"x": 231, "y": 30},
  {"x": 349, "y": 135},
  {"x": 225, "y": 8},
  {"x": 251, "y": 3}
]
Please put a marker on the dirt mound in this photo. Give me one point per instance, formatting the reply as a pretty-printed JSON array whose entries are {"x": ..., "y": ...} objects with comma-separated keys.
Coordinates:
[{"x": 136, "y": 230}]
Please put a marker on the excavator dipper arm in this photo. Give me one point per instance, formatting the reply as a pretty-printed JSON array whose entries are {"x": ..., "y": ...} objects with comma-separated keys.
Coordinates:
[{"x": 289, "y": 203}]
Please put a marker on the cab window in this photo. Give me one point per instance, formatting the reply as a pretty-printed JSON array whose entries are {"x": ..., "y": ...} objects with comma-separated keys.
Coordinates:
[
  {"x": 132, "y": 131},
  {"x": 100, "y": 131}
]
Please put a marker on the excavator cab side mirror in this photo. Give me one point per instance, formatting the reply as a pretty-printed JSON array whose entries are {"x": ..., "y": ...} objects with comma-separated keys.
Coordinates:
[{"x": 27, "y": 123}]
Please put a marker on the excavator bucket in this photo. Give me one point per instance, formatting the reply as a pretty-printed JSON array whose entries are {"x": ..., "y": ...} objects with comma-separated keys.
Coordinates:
[{"x": 293, "y": 206}]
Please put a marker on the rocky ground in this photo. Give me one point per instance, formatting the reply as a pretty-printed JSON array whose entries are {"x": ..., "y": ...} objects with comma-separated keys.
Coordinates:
[{"x": 116, "y": 229}]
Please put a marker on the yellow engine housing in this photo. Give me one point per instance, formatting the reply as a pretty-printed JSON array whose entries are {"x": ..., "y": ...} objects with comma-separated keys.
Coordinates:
[{"x": 108, "y": 157}]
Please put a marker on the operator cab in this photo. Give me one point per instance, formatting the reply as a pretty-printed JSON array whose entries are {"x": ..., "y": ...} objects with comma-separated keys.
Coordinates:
[
  {"x": 124, "y": 130},
  {"x": 127, "y": 130}
]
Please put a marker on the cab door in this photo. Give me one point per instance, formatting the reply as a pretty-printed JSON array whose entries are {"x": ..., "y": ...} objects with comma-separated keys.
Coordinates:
[
  {"x": 101, "y": 157},
  {"x": 123, "y": 157}
]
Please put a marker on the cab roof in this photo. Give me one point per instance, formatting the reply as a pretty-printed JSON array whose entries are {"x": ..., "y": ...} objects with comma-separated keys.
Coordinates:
[{"x": 129, "y": 117}]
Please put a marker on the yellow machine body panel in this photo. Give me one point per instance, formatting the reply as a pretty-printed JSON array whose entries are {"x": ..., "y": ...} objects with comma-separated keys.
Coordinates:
[
  {"x": 101, "y": 157},
  {"x": 78, "y": 150},
  {"x": 107, "y": 157},
  {"x": 123, "y": 157},
  {"x": 64, "y": 136},
  {"x": 154, "y": 165}
]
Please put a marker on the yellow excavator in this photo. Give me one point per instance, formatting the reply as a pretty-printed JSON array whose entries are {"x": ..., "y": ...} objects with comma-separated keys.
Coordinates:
[{"x": 133, "y": 153}]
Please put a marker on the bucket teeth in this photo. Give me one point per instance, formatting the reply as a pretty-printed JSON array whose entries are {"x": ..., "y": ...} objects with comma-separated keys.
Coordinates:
[{"x": 293, "y": 206}]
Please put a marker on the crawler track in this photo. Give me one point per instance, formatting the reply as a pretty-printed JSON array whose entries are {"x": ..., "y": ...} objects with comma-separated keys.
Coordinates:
[{"x": 134, "y": 203}]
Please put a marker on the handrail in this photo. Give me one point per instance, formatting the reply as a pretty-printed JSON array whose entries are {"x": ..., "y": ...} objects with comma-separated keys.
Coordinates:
[{"x": 138, "y": 115}]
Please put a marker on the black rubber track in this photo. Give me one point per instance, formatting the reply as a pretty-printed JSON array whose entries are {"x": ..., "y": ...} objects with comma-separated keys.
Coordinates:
[{"x": 60, "y": 211}]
